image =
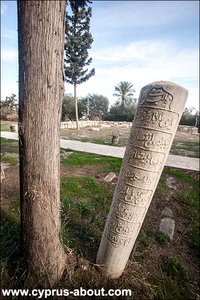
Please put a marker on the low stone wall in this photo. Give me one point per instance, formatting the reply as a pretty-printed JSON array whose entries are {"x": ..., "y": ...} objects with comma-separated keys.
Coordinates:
[
  {"x": 188, "y": 129},
  {"x": 109, "y": 124},
  {"x": 102, "y": 124}
]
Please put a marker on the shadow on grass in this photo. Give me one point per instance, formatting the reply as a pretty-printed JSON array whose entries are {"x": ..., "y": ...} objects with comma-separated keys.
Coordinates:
[{"x": 9, "y": 250}]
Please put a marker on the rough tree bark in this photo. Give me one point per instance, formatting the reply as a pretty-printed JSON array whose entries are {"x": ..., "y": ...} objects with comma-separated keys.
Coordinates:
[{"x": 41, "y": 89}]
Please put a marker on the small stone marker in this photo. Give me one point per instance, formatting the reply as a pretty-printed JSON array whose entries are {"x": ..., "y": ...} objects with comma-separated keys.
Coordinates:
[
  {"x": 167, "y": 213},
  {"x": 110, "y": 177},
  {"x": 115, "y": 139},
  {"x": 13, "y": 128},
  {"x": 167, "y": 226},
  {"x": 159, "y": 110},
  {"x": 171, "y": 183}
]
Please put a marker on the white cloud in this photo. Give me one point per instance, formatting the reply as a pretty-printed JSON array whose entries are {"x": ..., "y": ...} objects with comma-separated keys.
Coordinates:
[
  {"x": 3, "y": 8},
  {"x": 136, "y": 52},
  {"x": 9, "y": 54},
  {"x": 132, "y": 14},
  {"x": 149, "y": 58},
  {"x": 9, "y": 33},
  {"x": 141, "y": 63}
]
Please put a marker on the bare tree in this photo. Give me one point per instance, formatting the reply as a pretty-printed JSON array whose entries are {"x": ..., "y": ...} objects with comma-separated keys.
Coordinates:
[{"x": 41, "y": 88}]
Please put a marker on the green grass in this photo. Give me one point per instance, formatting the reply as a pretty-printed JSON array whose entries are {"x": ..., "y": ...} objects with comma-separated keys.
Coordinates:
[
  {"x": 85, "y": 204},
  {"x": 9, "y": 145},
  {"x": 9, "y": 236},
  {"x": 188, "y": 197},
  {"x": 80, "y": 159},
  {"x": 187, "y": 145},
  {"x": 175, "y": 280},
  {"x": 182, "y": 176},
  {"x": 162, "y": 238},
  {"x": 95, "y": 141},
  {"x": 104, "y": 163},
  {"x": 161, "y": 189},
  {"x": 13, "y": 161},
  {"x": 169, "y": 289},
  {"x": 190, "y": 211},
  {"x": 5, "y": 126},
  {"x": 146, "y": 237},
  {"x": 174, "y": 268},
  {"x": 191, "y": 147},
  {"x": 101, "y": 142}
]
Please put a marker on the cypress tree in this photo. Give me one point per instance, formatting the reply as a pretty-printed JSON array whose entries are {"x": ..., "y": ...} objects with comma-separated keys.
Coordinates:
[{"x": 78, "y": 40}]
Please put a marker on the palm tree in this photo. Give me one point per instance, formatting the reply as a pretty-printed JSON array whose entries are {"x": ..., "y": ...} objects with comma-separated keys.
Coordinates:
[{"x": 123, "y": 91}]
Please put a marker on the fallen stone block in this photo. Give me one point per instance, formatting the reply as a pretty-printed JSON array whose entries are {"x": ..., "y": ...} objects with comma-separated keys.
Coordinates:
[
  {"x": 167, "y": 213},
  {"x": 110, "y": 177}
]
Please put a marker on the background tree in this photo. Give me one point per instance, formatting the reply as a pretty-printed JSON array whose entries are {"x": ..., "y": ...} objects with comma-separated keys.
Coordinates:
[
  {"x": 10, "y": 102},
  {"x": 79, "y": 3},
  {"x": 124, "y": 108},
  {"x": 97, "y": 105},
  {"x": 78, "y": 40},
  {"x": 124, "y": 91},
  {"x": 41, "y": 42},
  {"x": 9, "y": 108},
  {"x": 121, "y": 112},
  {"x": 68, "y": 108},
  {"x": 190, "y": 118}
]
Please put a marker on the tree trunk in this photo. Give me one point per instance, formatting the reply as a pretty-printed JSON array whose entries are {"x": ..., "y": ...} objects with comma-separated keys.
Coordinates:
[
  {"x": 76, "y": 107},
  {"x": 41, "y": 89}
]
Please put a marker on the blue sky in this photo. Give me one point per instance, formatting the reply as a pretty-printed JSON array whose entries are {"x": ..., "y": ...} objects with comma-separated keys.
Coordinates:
[{"x": 136, "y": 41}]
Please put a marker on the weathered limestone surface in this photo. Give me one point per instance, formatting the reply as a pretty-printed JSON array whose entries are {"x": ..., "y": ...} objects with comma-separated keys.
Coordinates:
[
  {"x": 167, "y": 226},
  {"x": 110, "y": 177},
  {"x": 14, "y": 128},
  {"x": 158, "y": 113}
]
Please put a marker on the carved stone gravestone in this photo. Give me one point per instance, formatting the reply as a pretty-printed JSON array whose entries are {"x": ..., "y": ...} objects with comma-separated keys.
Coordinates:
[{"x": 158, "y": 114}]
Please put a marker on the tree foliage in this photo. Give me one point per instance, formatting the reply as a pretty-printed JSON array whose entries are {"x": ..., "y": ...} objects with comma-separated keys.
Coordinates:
[
  {"x": 68, "y": 108},
  {"x": 79, "y": 3},
  {"x": 124, "y": 108},
  {"x": 124, "y": 91},
  {"x": 96, "y": 105},
  {"x": 121, "y": 112},
  {"x": 190, "y": 118},
  {"x": 78, "y": 40},
  {"x": 10, "y": 102},
  {"x": 9, "y": 108}
]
